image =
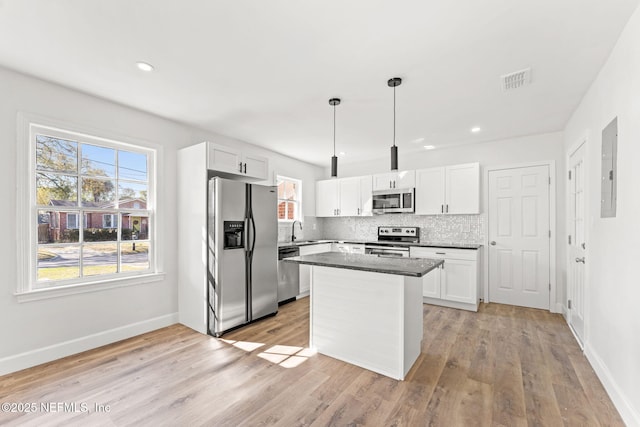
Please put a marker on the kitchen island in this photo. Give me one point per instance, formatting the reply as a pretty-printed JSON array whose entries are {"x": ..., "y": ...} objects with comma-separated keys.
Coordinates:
[{"x": 367, "y": 310}]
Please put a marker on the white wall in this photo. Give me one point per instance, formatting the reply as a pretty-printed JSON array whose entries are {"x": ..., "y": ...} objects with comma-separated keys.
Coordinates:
[
  {"x": 612, "y": 336},
  {"x": 521, "y": 150},
  {"x": 34, "y": 332}
]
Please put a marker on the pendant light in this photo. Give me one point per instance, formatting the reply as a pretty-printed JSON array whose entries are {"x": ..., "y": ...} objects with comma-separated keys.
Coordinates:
[
  {"x": 394, "y": 82},
  {"x": 334, "y": 160}
]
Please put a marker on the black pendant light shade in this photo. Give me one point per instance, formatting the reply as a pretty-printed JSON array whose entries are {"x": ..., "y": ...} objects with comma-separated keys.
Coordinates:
[
  {"x": 334, "y": 160},
  {"x": 394, "y": 158},
  {"x": 394, "y": 82},
  {"x": 334, "y": 166}
]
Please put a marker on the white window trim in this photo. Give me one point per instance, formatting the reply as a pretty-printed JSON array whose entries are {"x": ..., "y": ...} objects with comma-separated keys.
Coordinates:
[
  {"x": 297, "y": 202},
  {"x": 26, "y": 246}
]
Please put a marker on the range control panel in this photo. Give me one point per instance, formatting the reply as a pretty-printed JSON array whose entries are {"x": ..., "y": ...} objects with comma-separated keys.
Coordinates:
[{"x": 408, "y": 234}]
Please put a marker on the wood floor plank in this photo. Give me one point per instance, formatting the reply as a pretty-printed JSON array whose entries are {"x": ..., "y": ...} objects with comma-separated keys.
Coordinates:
[{"x": 502, "y": 366}]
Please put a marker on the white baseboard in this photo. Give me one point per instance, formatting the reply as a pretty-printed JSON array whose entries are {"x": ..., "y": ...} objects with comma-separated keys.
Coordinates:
[
  {"x": 47, "y": 354},
  {"x": 560, "y": 309},
  {"x": 629, "y": 414}
]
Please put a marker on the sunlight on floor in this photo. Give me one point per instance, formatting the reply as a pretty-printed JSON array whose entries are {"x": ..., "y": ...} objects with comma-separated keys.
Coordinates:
[{"x": 286, "y": 356}]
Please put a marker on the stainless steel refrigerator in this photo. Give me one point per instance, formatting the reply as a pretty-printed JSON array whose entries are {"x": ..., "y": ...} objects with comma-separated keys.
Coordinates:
[{"x": 242, "y": 254}]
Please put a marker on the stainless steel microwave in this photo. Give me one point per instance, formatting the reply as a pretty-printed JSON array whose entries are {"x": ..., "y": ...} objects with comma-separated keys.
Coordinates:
[{"x": 394, "y": 201}]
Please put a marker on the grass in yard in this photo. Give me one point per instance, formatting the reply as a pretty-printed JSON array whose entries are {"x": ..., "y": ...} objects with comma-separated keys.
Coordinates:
[
  {"x": 45, "y": 255},
  {"x": 62, "y": 273}
]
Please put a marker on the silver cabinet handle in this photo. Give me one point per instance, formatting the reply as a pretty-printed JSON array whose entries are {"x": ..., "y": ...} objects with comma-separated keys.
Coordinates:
[
  {"x": 493, "y": 243},
  {"x": 441, "y": 208},
  {"x": 447, "y": 210},
  {"x": 245, "y": 168},
  {"x": 584, "y": 246},
  {"x": 580, "y": 260},
  {"x": 240, "y": 167},
  {"x": 390, "y": 184},
  {"x": 358, "y": 211}
]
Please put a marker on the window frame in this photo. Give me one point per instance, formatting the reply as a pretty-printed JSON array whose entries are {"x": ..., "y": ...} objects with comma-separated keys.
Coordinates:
[
  {"x": 297, "y": 215},
  {"x": 27, "y": 288}
]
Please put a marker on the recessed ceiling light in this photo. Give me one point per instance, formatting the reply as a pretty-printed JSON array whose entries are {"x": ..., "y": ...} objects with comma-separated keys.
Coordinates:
[
  {"x": 342, "y": 153},
  {"x": 475, "y": 129},
  {"x": 145, "y": 66},
  {"x": 429, "y": 147}
]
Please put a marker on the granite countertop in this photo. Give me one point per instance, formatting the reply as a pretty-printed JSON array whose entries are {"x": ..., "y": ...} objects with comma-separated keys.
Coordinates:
[
  {"x": 415, "y": 267},
  {"x": 452, "y": 245}
]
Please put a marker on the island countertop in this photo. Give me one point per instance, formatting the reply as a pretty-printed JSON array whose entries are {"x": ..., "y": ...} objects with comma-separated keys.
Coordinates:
[{"x": 414, "y": 267}]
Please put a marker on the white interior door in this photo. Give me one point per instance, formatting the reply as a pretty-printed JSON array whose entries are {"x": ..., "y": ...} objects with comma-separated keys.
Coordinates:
[
  {"x": 519, "y": 241},
  {"x": 577, "y": 242}
]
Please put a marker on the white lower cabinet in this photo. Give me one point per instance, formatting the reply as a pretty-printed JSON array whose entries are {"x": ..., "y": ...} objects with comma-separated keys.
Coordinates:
[
  {"x": 305, "y": 270},
  {"x": 456, "y": 282}
]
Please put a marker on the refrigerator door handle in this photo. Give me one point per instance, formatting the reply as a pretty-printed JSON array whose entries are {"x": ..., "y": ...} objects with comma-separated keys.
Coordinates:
[
  {"x": 253, "y": 234},
  {"x": 246, "y": 234}
]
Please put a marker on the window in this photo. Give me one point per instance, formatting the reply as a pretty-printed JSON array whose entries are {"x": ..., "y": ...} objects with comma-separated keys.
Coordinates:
[
  {"x": 90, "y": 210},
  {"x": 109, "y": 221},
  {"x": 72, "y": 221},
  {"x": 289, "y": 197}
]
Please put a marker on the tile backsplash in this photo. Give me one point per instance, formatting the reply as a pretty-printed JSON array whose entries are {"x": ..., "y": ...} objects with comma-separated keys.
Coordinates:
[
  {"x": 311, "y": 230},
  {"x": 433, "y": 228}
]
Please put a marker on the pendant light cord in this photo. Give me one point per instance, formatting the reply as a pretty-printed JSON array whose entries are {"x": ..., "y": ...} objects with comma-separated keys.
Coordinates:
[
  {"x": 394, "y": 116},
  {"x": 334, "y": 130}
]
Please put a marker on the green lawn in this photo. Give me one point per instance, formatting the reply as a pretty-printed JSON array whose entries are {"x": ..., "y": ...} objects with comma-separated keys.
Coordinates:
[{"x": 62, "y": 273}]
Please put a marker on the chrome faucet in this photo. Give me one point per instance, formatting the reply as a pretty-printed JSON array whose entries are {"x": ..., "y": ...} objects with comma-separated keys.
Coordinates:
[{"x": 293, "y": 229}]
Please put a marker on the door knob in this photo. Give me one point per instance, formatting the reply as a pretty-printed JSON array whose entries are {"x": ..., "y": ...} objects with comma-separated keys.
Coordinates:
[
  {"x": 493, "y": 243},
  {"x": 580, "y": 260}
]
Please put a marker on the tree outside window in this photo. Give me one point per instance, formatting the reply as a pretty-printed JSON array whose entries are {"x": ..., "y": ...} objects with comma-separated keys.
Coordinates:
[
  {"x": 91, "y": 200},
  {"x": 289, "y": 197}
]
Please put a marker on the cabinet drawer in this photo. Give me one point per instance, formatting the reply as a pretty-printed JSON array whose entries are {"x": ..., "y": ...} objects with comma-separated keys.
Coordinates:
[
  {"x": 315, "y": 249},
  {"x": 442, "y": 253}
]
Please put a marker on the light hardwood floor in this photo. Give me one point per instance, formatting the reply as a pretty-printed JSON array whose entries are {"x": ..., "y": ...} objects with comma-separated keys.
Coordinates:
[{"x": 502, "y": 366}]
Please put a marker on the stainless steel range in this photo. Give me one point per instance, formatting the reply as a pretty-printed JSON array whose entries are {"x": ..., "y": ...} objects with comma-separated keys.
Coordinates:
[{"x": 393, "y": 241}]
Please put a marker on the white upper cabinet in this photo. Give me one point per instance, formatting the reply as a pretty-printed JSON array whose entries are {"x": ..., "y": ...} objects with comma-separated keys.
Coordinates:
[
  {"x": 391, "y": 180},
  {"x": 232, "y": 161},
  {"x": 430, "y": 191},
  {"x": 349, "y": 196},
  {"x": 344, "y": 197},
  {"x": 366, "y": 196},
  {"x": 327, "y": 197},
  {"x": 448, "y": 190}
]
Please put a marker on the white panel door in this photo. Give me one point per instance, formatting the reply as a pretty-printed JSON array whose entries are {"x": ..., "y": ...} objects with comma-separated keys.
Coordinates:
[
  {"x": 577, "y": 243},
  {"x": 519, "y": 242},
  {"x": 430, "y": 191},
  {"x": 463, "y": 189}
]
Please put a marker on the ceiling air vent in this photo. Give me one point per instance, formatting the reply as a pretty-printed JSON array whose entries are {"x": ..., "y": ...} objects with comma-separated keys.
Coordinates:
[{"x": 515, "y": 80}]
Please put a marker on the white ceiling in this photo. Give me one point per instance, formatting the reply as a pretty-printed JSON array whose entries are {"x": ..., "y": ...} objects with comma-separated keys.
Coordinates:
[{"x": 263, "y": 71}]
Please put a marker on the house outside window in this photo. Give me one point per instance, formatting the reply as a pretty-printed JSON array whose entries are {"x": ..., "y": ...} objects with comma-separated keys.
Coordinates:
[
  {"x": 90, "y": 202},
  {"x": 289, "y": 199}
]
